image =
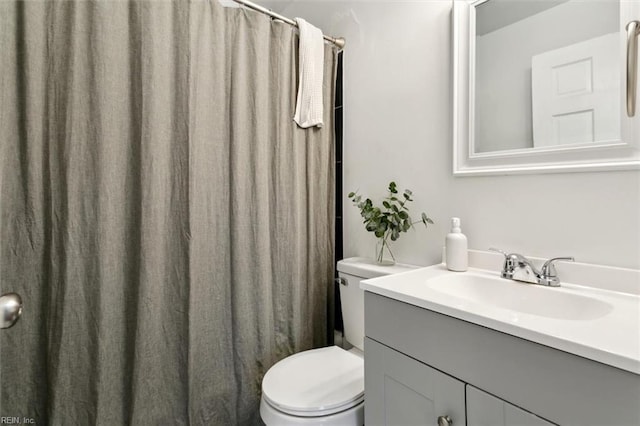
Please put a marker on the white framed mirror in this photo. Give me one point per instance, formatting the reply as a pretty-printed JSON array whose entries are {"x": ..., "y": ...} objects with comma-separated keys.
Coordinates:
[{"x": 541, "y": 86}]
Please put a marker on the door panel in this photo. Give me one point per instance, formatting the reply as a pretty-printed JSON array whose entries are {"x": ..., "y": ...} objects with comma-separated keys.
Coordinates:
[
  {"x": 401, "y": 391},
  {"x": 576, "y": 93}
]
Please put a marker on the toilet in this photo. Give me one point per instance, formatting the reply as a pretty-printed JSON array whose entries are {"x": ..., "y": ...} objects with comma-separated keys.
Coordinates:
[{"x": 326, "y": 386}]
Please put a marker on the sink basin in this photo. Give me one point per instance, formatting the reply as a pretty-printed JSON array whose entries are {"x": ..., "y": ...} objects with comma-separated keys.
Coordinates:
[
  {"x": 593, "y": 314},
  {"x": 555, "y": 302}
]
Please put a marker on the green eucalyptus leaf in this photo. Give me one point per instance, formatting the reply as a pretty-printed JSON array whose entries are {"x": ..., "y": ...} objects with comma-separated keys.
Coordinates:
[{"x": 389, "y": 223}]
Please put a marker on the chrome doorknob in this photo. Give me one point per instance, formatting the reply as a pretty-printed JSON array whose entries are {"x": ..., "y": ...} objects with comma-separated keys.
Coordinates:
[
  {"x": 10, "y": 309},
  {"x": 445, "y": 421}
]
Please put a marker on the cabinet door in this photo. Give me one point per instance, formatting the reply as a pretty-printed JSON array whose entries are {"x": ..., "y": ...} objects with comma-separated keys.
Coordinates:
[
  {"x": 400, "y": 391},
  {"x": 487, "y": 410}
]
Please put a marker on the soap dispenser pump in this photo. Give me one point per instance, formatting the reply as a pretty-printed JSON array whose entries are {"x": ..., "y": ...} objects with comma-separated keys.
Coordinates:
[{"x": 456, "y": 248}]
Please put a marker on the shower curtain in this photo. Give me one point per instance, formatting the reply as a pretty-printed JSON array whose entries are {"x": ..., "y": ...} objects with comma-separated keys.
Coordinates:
[{"x": 168, "y": 226}]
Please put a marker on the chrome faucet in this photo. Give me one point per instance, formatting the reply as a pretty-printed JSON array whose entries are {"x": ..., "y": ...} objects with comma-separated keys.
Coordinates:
[{"x": 519, "y": 268}]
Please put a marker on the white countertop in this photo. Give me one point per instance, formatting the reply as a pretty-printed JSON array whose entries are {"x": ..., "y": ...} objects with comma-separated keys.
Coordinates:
[{"x": 613, "y": 338}]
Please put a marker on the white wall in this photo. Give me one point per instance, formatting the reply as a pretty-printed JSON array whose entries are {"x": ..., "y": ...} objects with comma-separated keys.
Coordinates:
[{"x": 398, "y": 119}]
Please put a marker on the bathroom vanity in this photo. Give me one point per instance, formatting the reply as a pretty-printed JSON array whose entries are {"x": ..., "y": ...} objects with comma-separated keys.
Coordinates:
[{"x": 435, "y": 356}]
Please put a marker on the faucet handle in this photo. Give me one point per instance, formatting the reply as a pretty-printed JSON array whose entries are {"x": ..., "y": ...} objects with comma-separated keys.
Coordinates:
[
  {"x": 549, "y": 270},
  {"x": 509, "y": 256},
  {"x": 499, "y": 251},
  {"x": 509, "y": 262}
]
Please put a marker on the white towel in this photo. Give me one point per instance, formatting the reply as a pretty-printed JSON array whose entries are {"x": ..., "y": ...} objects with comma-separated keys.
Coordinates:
[{"x": 309, "y": 109}]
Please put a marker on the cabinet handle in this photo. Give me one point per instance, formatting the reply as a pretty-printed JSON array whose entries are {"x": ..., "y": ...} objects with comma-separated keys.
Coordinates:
[
  {"x": 445, "y": 421},
  {"x": 633, "y": 30}
]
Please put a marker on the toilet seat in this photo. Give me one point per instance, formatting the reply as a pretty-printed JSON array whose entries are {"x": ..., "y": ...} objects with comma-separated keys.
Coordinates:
[{"x": 316, "y": 382}]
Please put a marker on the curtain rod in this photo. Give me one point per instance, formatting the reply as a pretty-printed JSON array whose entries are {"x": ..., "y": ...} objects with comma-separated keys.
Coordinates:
[{"x": 338, "y": 41}]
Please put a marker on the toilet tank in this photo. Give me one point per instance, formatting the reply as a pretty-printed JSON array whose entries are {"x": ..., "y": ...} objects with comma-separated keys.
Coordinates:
[{"x": 352, "y": 271}]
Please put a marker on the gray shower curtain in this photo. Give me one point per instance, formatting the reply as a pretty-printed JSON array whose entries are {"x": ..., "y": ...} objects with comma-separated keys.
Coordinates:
[{"x": 168, "y": 226}]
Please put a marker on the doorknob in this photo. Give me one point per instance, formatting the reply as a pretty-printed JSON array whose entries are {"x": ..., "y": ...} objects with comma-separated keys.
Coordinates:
[
  {"x": 445, "y": 421},
  {"x": 10, "y": 309}
]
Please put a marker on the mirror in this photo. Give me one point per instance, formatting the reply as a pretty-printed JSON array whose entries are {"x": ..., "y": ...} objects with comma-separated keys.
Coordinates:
[
  {"x": 541, "y": 86},
  {"x": 555, "y": 85}
]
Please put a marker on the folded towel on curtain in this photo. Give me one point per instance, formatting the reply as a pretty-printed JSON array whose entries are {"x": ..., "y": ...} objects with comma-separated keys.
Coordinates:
[{"x": 309, "y": 110}]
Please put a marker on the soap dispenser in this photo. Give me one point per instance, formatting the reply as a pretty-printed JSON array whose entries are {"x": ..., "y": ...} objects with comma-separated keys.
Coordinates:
[{"x": 456, "y": 248}]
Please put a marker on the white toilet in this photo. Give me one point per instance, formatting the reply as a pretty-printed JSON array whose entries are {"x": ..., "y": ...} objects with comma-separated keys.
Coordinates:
[{"x": 326, "y": 386}]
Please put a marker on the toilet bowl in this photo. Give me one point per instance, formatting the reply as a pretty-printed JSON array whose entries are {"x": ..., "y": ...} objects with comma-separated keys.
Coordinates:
[
  {"x": 315, "y": 387},
  {"x": 325, "y": 386}
]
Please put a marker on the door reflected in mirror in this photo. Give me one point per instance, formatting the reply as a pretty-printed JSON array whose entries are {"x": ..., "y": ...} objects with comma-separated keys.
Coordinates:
[{"x": 546, "y": 74}]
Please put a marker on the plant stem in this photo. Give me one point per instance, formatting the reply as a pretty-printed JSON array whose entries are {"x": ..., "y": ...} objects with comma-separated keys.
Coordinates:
[{"x": 384, "y": 244}]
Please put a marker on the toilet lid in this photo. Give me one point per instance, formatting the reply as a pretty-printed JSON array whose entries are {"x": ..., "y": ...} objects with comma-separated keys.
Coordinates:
[{"x": 317, "y": 382}]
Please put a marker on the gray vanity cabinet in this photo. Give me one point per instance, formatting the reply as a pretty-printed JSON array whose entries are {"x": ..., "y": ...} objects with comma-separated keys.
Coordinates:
[
  {"x": 421, "y": 364},
  {"x": 487, "y": 410},
  {"x": 402, "y": 391}
]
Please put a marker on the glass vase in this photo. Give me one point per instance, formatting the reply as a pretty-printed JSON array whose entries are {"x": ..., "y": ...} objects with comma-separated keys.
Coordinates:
[{"x": 382, "y": 249}]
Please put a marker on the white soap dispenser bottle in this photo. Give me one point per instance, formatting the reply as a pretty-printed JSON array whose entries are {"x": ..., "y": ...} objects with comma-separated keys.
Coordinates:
[{"x": 456, "y": 248}]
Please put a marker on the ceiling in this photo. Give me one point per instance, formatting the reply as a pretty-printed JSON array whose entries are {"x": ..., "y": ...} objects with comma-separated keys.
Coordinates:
[{"x": 494, "y": 14}]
